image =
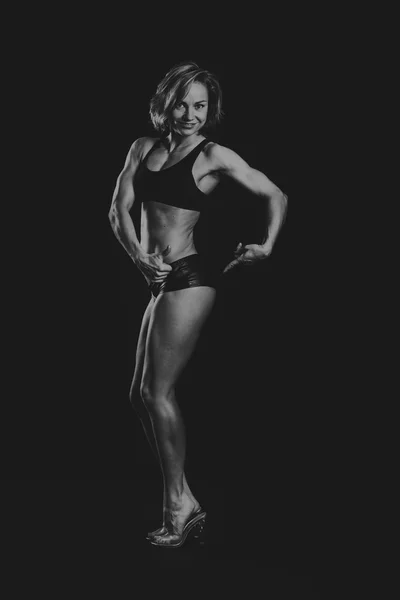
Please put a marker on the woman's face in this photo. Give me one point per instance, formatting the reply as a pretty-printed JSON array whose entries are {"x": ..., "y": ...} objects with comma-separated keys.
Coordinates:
[{"x": 190, "y": 114}]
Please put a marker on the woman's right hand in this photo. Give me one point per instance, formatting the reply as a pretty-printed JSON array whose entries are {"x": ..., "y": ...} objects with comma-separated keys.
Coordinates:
[{"x": 153, "y": 267}]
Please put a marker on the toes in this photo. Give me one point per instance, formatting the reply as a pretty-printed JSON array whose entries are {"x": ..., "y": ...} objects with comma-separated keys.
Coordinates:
[{"x": 166, "y": 540}]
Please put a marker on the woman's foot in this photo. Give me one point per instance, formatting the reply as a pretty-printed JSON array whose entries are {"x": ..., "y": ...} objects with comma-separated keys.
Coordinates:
[
  {"x": 163, "y": 529},
  {"x": 184, "y": 516},
  {"x": 176, "y": 515}
]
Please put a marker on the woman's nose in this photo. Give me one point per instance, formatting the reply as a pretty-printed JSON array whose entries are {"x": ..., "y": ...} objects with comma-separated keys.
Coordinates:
[{"x": 189, "y": 113}]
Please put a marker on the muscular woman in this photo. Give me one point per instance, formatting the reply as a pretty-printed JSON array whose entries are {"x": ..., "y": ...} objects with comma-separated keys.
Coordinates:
[{"x": 171, "y": 176}]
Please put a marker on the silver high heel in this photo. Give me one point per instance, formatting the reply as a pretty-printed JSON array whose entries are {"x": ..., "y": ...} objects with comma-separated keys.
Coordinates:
[{"x": 194, "y": 527}]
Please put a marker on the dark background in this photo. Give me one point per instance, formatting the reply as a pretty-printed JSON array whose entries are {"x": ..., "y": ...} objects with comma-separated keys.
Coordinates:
[
  {"x": 252, "y": 361},
  {"x": 254, "y": 397}
]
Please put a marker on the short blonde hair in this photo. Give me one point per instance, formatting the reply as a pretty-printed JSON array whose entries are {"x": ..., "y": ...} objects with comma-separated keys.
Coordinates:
[{"x": 173, "y": 88}]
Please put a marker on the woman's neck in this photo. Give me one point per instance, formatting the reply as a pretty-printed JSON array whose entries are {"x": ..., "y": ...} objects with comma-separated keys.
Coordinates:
[{"x": 177, "y": 143}]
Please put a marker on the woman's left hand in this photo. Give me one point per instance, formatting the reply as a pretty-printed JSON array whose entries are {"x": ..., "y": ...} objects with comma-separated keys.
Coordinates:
[{"x": 247, "y": 255}]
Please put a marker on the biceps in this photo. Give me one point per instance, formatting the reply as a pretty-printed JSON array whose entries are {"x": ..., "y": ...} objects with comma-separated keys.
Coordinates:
[
  {"x": 124, "y": 194},
  {"x": 256, "y": 182}
]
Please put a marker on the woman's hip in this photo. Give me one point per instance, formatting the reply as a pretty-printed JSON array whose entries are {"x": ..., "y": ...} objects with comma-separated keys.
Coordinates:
[{"x": 190, "y": 271}]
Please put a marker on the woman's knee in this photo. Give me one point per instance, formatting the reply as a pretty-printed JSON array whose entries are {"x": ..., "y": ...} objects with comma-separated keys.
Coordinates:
[
  {"x": 156, "y": 399},
  {"x": 147, "y": 394}
]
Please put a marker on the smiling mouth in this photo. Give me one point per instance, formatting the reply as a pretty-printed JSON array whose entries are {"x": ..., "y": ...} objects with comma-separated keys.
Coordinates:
[{"x": 188, "y": 124}]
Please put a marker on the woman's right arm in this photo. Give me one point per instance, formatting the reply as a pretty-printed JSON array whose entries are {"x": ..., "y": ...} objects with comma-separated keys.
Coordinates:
[
  {"x": 122, "y": 202},
  {"x": 151, "y": 265}
]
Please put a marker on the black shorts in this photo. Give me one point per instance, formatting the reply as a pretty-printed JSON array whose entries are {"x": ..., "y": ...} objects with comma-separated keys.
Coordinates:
[{"x": 190, "y": 271}]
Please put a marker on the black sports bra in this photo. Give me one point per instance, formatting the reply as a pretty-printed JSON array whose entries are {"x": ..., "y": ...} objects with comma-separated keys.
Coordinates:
[{"x": 174, "y": 185}]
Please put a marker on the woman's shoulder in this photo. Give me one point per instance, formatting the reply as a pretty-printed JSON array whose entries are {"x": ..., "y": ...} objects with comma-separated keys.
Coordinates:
[
  {"x": 218, "y": 154},
  {"x": 140, "y": 147},
  {"x": 143, "y": 144}
]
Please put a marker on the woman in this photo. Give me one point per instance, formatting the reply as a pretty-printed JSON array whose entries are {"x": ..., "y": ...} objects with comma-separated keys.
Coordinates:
[{"x": 171, "y": 176}]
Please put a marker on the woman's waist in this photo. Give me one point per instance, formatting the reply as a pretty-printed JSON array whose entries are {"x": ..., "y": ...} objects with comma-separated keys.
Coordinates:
[{"x": 180, "y": 245}]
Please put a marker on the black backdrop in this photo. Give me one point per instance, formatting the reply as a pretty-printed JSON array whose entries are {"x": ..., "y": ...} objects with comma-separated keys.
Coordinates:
[
  {"x": 260, "y": 395},
  {"x": 247, "y": 392},
  {"x": 250, "y": 393}
]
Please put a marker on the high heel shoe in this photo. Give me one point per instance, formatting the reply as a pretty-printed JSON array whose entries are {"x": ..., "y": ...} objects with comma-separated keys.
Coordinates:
[
  {"x": 163, "y": 530},
  {"x": 194, "y": 527}
]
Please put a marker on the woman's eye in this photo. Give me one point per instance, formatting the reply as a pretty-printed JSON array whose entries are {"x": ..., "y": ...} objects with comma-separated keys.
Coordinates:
[{"x": 198, "y": 106}]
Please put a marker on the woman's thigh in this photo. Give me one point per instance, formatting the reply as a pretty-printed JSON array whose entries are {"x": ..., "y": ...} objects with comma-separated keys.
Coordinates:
[
  {"x": 175, "y": 325},
  {"x": 140, "y": 351}
]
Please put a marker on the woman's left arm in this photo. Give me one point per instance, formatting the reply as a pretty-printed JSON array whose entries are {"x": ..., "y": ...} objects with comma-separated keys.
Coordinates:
[{"x": 231, "y": 164}]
